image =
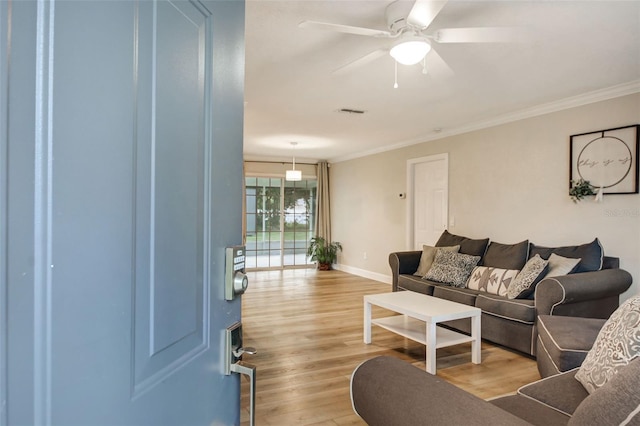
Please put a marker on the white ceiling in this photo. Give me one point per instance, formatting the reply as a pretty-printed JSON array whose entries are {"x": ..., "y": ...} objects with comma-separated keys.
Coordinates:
[{"x": 571, "y": 50}]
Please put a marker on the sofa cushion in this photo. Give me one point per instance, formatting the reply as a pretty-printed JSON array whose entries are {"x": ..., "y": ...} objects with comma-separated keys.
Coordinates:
[
  {"x": 452, "y": 268},
  {"x": 617, "y": 402},
  {"x": 467, "y": 245},
  {"x": 565, "y": 341},
  {"x": 561, "y": 392},
  {"x": 618, "y": 343},
  {"x": 525, "y": 282},
  {"x": 521, "y": 310},
  {"x": 506, "y": 256},
  {"x": 491, "y": 280},
  {"x": 455, "y": 294},
  {"x": 427, "y": 257},
  {"x": 417, "y": 284},
  {"x": 530, "y": 410},
  {"x": 590, "y": 254}
]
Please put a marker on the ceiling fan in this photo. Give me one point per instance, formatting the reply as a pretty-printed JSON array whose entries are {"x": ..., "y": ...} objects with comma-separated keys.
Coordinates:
[{"x": 412, "y": 33}]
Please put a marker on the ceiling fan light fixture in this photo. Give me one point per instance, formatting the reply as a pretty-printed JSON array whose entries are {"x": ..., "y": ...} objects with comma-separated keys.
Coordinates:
[{"x": 410, "y": 51}]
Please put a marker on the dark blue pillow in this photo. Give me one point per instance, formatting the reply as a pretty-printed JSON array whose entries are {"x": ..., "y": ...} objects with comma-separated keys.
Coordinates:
[
  {"x": 467, "y": 245},
  {"x": 507, "y": 256},
  {"x": 590, "y": 254}
]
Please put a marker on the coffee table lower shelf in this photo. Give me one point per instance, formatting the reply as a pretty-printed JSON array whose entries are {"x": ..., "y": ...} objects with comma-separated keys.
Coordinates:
[{"x": 416, "y": 330}]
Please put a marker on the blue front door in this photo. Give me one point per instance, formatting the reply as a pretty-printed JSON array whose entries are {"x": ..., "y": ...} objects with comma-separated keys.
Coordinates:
[{"x": 121, "y": 186}]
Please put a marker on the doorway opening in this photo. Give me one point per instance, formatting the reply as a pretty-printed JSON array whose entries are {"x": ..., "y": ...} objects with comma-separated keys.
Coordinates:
[{"x": 281, "y": 220}]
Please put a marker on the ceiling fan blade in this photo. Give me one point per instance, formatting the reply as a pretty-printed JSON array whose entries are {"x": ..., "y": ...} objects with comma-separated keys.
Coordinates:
[
  {"x": 437, "y": 67},
  {"x": 343, "y": 29},
  {"x": 477, "y": 35},
  {"x": 360, "y": 61},
  {"x": 424, "y": 12}
]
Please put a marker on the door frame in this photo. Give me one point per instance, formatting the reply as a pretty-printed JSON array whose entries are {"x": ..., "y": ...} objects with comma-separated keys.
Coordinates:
[{"x": 411, "y": 166}]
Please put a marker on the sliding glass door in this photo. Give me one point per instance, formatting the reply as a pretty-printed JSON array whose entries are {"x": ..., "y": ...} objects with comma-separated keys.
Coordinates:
[{"x": 280, "y": 222}]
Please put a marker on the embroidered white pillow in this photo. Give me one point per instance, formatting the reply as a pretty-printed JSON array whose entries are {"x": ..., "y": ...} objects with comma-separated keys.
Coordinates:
[
  {"x": 491, "y": 280},
  {"x": 617, "y": 344}
]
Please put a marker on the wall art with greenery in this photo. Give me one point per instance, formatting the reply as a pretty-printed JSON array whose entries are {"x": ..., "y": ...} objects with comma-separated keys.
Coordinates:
[{"x": 606, "y": 159}]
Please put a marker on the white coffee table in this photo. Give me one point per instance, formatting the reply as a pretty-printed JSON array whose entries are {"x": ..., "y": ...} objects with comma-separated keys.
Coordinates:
[{"x": 420, "y": 315}]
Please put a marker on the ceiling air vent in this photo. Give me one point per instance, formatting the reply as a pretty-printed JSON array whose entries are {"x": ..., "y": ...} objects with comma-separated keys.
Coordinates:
[{"x": 350, "y": 111}]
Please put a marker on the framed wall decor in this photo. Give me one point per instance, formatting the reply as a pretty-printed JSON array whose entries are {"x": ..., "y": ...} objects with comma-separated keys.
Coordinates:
[{"x": 608, "y": 159}]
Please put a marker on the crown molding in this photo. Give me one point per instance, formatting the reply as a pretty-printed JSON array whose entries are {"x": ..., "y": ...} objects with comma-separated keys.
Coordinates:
[{"x": 542, "y": 109}]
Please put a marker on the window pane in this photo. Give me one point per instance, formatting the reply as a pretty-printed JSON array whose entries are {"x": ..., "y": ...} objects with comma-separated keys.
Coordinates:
[{"x": 268, "y": 244}]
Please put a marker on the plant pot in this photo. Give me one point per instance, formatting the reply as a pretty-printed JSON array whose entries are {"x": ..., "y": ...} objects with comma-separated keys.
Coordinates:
[{"x": 324, "y": 266}]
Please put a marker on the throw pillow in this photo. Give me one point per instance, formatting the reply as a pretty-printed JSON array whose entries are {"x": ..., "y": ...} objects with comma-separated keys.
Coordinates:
[
  {"x": 525, "y": 282},
  {"x": 506, "y": 256},
  {"x": 467, "y": 245},
  {"x": 559, "y": 265},
  {"x": 427, "y": 257},
  {"x": 616, "y": 403},
  {"x": 452, "y": 268},
  {"x": 616, "y": 345},
  {"x": 591, "y": 254},
  {"x": 491, "y": 280}
]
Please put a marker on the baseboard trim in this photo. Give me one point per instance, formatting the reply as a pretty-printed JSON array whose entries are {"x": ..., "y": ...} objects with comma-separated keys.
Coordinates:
[{"x": 364, "y": 273}]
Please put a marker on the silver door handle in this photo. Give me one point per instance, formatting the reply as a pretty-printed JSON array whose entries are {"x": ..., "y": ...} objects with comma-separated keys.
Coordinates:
[
  {"x": 240, "y": 351},
  {"x": 248, "y": 370}
]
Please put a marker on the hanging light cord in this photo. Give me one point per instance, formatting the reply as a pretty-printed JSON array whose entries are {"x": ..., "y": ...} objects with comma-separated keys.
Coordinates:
[
  {"x": 294, "y": 154},
  {"x": 395, "y": 84}
]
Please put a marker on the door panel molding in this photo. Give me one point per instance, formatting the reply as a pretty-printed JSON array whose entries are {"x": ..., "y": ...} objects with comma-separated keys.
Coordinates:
[{"x": 171, "y": 295}]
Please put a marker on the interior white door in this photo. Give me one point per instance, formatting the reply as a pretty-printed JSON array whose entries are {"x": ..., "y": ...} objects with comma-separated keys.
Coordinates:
[
  {"x": 428, "y": 212},
  {"x": 123, "y": 187}
]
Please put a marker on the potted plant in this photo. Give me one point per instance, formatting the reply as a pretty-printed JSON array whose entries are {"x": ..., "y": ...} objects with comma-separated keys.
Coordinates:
[
  {"x": 580, "y": 189},
  {"x": 323, "y": 252}
]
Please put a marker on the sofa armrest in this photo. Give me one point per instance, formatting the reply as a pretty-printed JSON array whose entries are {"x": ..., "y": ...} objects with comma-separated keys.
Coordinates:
[
  {"x": 586, "y": 294},
  {"x": 403, "y": 262},
  {"x": 387, "y": 391}
]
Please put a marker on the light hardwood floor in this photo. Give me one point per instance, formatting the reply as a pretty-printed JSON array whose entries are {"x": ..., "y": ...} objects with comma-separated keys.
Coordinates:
[{"x": 307, "y": 328}]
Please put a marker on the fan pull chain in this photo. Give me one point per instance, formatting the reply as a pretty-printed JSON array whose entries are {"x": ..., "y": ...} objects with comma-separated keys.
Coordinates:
[
  {"x": 395, "y": 84},
  {"x": 424, "y": 65}
]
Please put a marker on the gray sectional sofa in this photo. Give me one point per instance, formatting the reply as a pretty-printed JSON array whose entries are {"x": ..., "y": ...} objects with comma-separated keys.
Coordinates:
[
  {"x": 599, "y": 388},
  {"x": 386, "y": 391},
  {"x": 591, "y": 290}
]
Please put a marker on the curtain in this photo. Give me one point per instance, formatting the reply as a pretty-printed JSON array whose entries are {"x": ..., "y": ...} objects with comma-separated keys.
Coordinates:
[{"x": 323, "y": 211}]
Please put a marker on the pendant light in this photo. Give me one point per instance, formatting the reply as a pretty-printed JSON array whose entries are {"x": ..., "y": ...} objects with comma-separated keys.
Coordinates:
[{"x": 293, "y": 174}]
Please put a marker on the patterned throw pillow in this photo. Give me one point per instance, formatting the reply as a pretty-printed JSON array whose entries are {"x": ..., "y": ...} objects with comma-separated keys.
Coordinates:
[
  {"x": 427, "y": 257},
  {"x": 452, "y": 268},
  {"x": 617, "y": 344},
  {"x": 491, "y": 280},
  {"x": 525, "y": 282}
]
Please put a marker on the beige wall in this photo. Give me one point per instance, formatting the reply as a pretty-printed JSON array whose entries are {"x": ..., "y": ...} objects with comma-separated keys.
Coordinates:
[{"x": 508, "y": 182}]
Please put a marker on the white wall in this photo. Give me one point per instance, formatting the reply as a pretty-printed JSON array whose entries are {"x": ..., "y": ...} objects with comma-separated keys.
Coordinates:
[{"x": 508, "y": 183}]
